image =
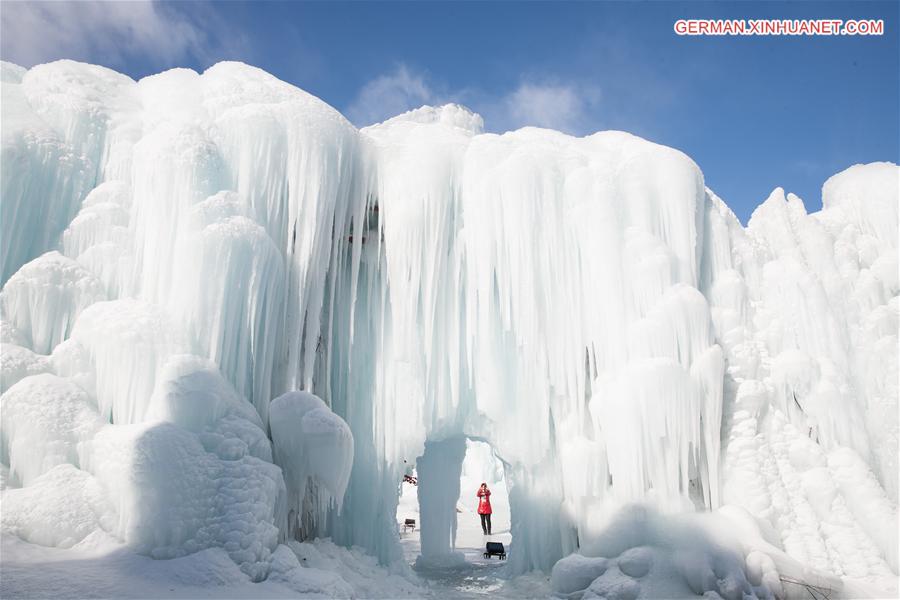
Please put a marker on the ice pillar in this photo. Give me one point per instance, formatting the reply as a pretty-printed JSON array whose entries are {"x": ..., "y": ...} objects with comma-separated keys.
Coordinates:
[
  {"x": 439, "y": 469},
  {"x": 541, "y": 531}
]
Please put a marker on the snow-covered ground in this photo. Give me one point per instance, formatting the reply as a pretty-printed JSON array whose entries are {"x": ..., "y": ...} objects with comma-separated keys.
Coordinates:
[
  {"x": 228, "y": 316},
  {"x": 101, "y": 567}
]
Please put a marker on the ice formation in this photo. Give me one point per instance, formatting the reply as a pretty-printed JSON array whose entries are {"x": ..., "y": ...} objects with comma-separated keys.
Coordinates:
[
  {"x": 314, "y": 447},
  {"x": 183, "y": 253}
]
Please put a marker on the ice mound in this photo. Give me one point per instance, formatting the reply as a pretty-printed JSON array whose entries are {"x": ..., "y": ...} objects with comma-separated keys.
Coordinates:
[
  {"x": 642, "y": 554},
  {"x": 128, "y": 342},
  {"x": 306, "y": 579},
  {"x": 17, "y": 362},
  {"x": 60, "y": 508},
  {"x": 453, "y": 115},
  {"x": 44, "y": 420},
  {"x": 103, "y": 218},
  {"x": 11, "y": 73},
  {"x": 9, "y": 334},
  {"x": 867, "y": 197},
  {"x": 576, "y": 572},
  {"x": 195, "y": 473},
  {"x": 172, "y": 497},
  {"x": 49, "y": 285},
  {"x": 81, "y": 101},
  {"x": 98, "y": 236},
  {"x": 358, "y": 569},
  {"x": 314, "y": 446},
  {"x": 191, "y": 393}
]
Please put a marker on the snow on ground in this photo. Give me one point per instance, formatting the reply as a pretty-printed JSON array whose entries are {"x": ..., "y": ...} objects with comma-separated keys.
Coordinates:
[{"x": 101, "y": 567}]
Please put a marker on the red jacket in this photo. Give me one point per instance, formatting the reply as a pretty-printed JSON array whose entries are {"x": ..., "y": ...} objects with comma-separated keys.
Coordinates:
[{"x": 484, "y": 502}]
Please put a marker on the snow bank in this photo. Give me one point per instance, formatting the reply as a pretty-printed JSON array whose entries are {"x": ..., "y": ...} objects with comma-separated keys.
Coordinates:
[
  {"x": 100, "y": 566},
  {"x": 645, "y": 555},
  {"x": 359, "y": 570}
]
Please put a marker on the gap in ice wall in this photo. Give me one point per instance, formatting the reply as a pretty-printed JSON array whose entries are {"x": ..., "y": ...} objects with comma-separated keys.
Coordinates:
[
  {"x": 448, "y": 528},
  {"x": 481, "y": 464}
]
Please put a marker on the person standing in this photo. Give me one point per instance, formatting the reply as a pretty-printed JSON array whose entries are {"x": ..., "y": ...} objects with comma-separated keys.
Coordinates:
[{"x": 484, "y": 508}]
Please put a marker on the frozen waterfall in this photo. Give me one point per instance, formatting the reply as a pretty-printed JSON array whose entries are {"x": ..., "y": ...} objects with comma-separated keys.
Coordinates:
[{"x": 180, "y": 251}]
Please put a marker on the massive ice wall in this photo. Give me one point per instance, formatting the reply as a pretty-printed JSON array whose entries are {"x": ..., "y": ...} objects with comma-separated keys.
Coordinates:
[
  {"x": 806, "y": 306},
  {"x": 540, "y": 294},
  {"x": 584, "y": 305}
]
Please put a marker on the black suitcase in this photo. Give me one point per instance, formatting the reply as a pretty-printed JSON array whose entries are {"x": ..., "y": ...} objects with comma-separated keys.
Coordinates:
[{"x": 495, "y": 549}]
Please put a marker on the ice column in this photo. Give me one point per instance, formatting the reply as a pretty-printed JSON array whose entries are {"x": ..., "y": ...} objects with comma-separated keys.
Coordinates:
[{"x": 439, "y": 470}]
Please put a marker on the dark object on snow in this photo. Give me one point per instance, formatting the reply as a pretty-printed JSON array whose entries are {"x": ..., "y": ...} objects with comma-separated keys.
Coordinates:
[
  {"x": 410, "y": 479},
  {"x": 495, "y": 549},
  {"x": 409, "y": 524}
]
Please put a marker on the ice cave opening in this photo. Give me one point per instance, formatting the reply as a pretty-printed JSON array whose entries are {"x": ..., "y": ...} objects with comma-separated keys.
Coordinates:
[{"x": 437, "y": 512}]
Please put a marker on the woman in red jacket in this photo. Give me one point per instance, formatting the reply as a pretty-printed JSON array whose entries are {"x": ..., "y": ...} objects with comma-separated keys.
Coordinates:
[{"x": 484, "y": 508}]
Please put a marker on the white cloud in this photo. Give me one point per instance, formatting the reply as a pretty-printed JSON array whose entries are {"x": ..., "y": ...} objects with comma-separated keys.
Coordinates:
[
  {"x": 101, "y": 32},
  {"x": 389, "y": 95},
  {"x": 565, "y": 107},
  {"x": 568, "y": 107}
]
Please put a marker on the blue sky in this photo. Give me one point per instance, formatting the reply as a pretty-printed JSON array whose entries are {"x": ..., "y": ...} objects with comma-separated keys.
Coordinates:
[{"x": 754, "y": 112}]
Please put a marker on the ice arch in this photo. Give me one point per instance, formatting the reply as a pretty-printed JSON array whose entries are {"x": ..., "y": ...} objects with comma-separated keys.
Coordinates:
[
  {"x": 534, "y": 512},
  {"x": 532, "y": 290}
]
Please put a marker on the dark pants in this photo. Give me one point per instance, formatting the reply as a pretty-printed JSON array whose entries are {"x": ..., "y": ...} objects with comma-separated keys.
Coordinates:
[{"x": 486, "y": 524}]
